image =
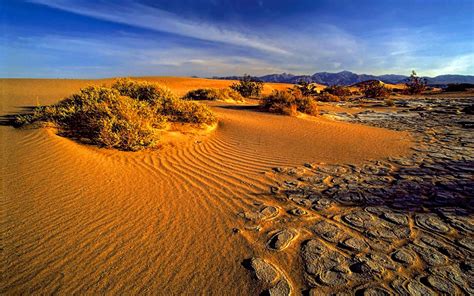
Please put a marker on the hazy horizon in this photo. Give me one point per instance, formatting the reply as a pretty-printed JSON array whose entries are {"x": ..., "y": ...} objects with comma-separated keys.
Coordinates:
[{"x": 88, "y": 39}]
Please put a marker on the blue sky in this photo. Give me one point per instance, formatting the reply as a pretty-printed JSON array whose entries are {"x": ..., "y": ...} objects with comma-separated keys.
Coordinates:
[{"x": 102, "y": 38}]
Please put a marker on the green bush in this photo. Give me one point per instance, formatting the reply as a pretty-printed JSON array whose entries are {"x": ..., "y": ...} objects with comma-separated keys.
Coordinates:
[
  {"x": 211, "y": 94},
  {"x": 289, "y": 102},
  {"x": 107, "y": 118},
  {"x": 248, "y": 87}
]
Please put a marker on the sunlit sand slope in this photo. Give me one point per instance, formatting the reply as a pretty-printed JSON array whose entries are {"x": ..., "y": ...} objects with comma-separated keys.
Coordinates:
[{"x": 78, "y": 219}]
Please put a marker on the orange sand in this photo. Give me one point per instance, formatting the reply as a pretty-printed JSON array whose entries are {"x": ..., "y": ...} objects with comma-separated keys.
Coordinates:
[{"x": 78, "y": 219}]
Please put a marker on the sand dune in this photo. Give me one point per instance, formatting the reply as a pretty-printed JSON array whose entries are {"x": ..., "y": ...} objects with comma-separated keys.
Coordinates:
[{"x": 78, "y": 219}]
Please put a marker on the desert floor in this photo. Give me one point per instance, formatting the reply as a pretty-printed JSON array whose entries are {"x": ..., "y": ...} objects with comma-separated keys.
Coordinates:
[{"x": 79, "y": 219}]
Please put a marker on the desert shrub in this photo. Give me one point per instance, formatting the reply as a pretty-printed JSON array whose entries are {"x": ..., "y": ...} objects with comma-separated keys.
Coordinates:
[
  {"x": 142, "y": 90},
  {"x": 339, "y": 91},
  {"x": 307, "y": 88},
  {"x": 327, "y": 97},
  {"x": 200, "y": 94},
  {"x": 375, "y": 89},
  {"x": 248, "y": 86},
  {"x": 224, "y": 94},
  {"x": 415, "y": 85},
  {"x": 289, "y": 102},
  {"x": 106, "y": 118},
  {"x": 178, "y": 110}
]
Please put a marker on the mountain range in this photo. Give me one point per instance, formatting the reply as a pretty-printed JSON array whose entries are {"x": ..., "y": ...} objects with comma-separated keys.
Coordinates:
[{"x": 349, "y": 78}]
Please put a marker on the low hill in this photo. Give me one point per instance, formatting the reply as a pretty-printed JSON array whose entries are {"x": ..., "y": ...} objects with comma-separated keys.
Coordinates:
[{"x": 350, "y": 78}]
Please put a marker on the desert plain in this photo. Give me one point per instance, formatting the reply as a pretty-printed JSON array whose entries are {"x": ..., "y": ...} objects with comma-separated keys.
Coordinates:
[{"x": 365, "y": 198}]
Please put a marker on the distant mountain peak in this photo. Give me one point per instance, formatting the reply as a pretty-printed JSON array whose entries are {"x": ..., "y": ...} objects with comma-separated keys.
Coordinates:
[{"x": 346, "y": 77}]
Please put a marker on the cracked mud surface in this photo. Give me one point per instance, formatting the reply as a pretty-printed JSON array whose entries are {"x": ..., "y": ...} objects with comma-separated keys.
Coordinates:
[{"x": 394, "y": 226}]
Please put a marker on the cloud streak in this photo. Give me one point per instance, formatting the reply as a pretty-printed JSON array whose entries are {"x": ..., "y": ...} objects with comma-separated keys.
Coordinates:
[
  {"x": 148, "y": 17},
  {"x": 171, "y": 44}
]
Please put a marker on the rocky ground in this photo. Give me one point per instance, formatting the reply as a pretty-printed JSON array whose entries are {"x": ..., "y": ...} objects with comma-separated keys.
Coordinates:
[{"x": 399, "y": 226}]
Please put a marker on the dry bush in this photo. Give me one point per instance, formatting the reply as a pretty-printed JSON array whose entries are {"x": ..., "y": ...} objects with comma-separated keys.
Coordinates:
[
  {"x": 104, "y": 117},
  {"x": 248, "y": 86},
  {"x": 327, "y": 97},
  {"x": 338, "y": 90},
  {"x": 375, "y": 89},
  {"x": 415, "y": 85},
  {"x": 142, "y": 90},
  {"x": 107, "y": 118},
  {"x": 307, "y": 88},
  {"x": 211, "y": 94},
  {"x": 289, "y": 102},
  {"x": 178, "y": 110}
]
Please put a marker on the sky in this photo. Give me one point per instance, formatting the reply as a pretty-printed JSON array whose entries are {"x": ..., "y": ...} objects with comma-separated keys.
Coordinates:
[{"x": 102, "y": 38}]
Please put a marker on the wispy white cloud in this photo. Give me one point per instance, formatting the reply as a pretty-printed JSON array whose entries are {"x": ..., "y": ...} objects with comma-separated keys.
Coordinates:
[
  {"x": 148, "y": 17},
  {"x": 453, "y": 65},
  {"x": 306, "y": 46},
  {"x": 120, "y": 56}
]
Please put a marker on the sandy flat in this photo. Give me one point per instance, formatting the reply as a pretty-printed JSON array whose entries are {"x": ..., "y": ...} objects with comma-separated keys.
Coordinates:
[{"x": 78, "y": 219}]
